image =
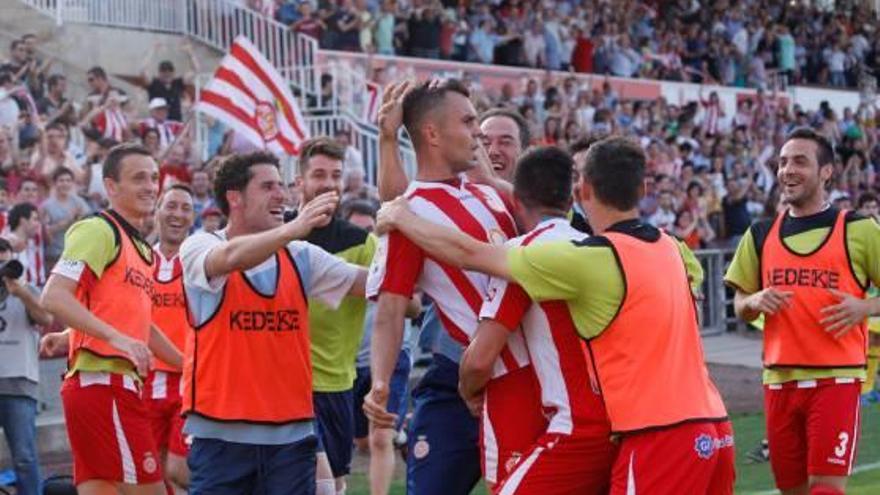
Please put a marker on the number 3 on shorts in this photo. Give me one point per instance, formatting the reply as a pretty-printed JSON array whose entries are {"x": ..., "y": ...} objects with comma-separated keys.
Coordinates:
[{"x": 840, "y": 450}]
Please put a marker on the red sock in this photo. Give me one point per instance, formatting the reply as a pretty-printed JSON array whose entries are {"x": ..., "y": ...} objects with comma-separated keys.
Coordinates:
[
  {"x": 821, "y": 489},
  {"x": 169, "y": 489}
]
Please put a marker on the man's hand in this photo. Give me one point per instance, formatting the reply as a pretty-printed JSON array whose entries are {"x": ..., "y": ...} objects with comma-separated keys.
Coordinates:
[
  {"x": 14, "y": 286},
  {"x": 136, "y": 350},
  {"x": 475, "y": 403},
  {"x": 315, "y": 213},
  {"x": 842, "y": 317},
  {"x": 769, "y": 301},
  {"x": 53, "y": 344},
  {"x": 391, "y": 112},
  {"x": 376, "y": 407},
  {"x": 391, "y": 214}
]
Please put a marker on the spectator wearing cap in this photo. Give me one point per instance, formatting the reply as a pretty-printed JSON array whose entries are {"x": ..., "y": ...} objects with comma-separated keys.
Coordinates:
[
  {"x": 167, "y": 128},
  {"x": 166, "y": 85},
  {"x": 103, "y": 111},
  {"x": 212, "y": 220}
]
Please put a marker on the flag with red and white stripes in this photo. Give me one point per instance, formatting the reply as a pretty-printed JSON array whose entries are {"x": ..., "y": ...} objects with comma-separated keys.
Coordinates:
[{"x": 248, "y": 94}]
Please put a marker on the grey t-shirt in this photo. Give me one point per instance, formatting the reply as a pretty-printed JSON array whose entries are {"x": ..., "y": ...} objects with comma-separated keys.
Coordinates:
[
  {"x": 19, "y": 349},
  {"x": 58, "y": 211}
]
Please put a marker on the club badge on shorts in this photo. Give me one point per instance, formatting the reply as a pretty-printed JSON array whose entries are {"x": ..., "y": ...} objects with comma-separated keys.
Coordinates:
[
  {"x": 421, "y": 449},
  {"x": 704, "y": 445}
]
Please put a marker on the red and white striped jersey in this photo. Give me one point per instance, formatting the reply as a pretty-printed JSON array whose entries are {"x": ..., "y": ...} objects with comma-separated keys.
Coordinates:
[
  {"x": 400, "y": 266},
  {"x": 569, "y": 394},
  {"x": 168, "y": 130},
  {"x": 111, "y": 124}
]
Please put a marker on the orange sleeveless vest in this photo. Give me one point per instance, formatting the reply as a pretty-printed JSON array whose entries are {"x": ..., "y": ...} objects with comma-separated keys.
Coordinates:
[
  {"x": 169, "y": 313},
  {"x": 649, "y": 360},
  {"x": 793, "y": 337},
  {"x": 121, "y": 297},
  {"x": 251, "y": 360}
]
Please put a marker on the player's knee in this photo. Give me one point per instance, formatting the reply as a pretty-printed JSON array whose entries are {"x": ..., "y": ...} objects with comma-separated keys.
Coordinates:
[
  {"x": 325, "y": 487},
  {"x": 825, "y": 489},
  {"x": 381, "y": 440}
]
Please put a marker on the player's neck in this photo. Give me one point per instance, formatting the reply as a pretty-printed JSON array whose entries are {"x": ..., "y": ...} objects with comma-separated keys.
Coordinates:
[
  {"x": 168, "y": 249},
  {"x": 532, "y": 218},
  {"x": 133, "y": 218},
  {"x": 810, "y": 208},
  {"x": 603, "y": 217},
  {"x": 433, "y": 169}
]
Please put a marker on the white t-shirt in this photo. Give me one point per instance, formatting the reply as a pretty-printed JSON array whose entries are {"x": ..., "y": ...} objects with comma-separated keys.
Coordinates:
[{"x": 323, "y": 276}]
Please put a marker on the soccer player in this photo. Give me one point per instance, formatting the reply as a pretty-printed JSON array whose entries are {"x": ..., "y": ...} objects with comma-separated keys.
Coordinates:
[
  {"x": 641, "y": 330},
  {"x": 248, "y": 373},
  {"x": 443, "y": 452},
  {"x": 336, "y": 333},
  {"x": 574, "y": 453},
  {"x": 806, "y": 271},
  {"x": 102, "y": 288},
  {"x": 162, "y": 389},
  {"x": 869, "y": 207}
]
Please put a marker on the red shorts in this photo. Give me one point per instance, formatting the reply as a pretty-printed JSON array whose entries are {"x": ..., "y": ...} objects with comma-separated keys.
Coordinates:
[
  {"x": 109, "y": 431},
  {"x": 688, "y": 458},
  {"x": 163, "y": 399},
  {"x": 512, "y": 421},
  {"x": 812, "y": 429},
  {"x": 563, "y": 464}
]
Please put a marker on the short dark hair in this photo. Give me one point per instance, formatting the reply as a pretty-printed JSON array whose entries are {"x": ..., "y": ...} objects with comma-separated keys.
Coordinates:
[
  {"x": 54, "y": 79},
  {"x": 5, "y": 76},
  {"x": 234, "y": 174},
  {"x": 97, "y": 71},
  {"x": 174, "y": 187},
  {"x": 56, "y": 126},
  {"x": 166, "y": 66},
  {"x": 865, "y": 198},
  {"x": 425, "y": 97},
  {"x": 824, "y": 149},
  {"x": 358, "y": 206},
  {"x": 19, "y": 212},
  {"x": 525, "y": 136},
  {"x": 113, "y": 163},
  {"x": 319, "y": 146},
  {"x": 15, "y": 44},
  {"x": 543, "y": 178},
  {"x": 583, "y": 143},
  {"x": 5, "y": 245},
  {"x": 60, "y": 171},
  {"x": 615, "y": 167}
]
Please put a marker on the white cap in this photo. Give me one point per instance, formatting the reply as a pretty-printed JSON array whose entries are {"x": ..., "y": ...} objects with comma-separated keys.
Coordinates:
[{"x": 158, "y": 103}]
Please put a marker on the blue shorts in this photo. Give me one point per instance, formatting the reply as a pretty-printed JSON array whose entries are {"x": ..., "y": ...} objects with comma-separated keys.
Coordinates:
[
  {"x": 444, "y": 454},
  {"x": 397, "y": 396},
  {"x": 334, "y": 425},
  {"x": 221, "y": 468}
]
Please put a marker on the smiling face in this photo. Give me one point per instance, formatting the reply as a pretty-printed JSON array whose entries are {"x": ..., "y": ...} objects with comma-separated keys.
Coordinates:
[
  {"x": 801, "y": 179},
  {"x": 261, "y": 203},
  {"x": 502, "y": 142},
  {"x": 175, "y": 216},
  {"x": 134, "y": 195}
]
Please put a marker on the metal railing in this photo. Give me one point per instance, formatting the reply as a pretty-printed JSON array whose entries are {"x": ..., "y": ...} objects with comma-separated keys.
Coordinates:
[
  {"x": 213, "y": 22},
  {"x": 716, "y": 305}
]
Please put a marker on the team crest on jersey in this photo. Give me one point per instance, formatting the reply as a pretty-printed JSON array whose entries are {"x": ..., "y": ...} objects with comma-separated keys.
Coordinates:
[
  {"x": 705, "y": 446},
  {"x": 421, "y": 449},
  {"x": 512, "y": 462},
  {"x": 266, "y": 119},
  {"x": 150, "y": 464}
]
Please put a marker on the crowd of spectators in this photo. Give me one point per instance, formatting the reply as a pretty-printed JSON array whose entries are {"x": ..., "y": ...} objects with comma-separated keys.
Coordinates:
[
  {"x": 746, "y": 43},
  {"x": 711, "y": 168}
]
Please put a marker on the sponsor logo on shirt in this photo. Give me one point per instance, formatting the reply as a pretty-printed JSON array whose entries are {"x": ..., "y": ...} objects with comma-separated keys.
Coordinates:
[
  {"x": 804, "y": 277},
  {"x": 282, "y": 320}
]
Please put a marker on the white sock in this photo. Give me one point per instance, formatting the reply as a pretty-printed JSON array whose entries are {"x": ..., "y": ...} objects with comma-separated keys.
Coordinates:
[{"x": 325, "y": 487}]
